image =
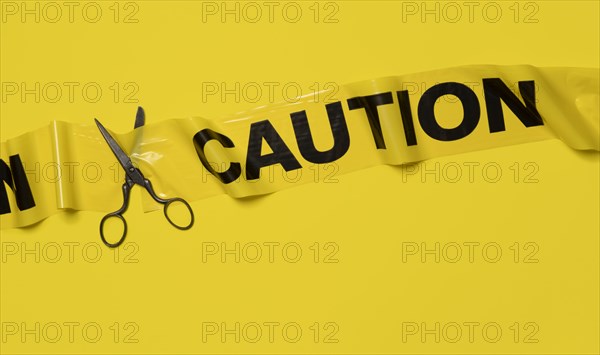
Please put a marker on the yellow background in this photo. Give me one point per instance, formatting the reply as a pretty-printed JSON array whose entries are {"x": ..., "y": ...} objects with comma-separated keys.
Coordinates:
[{"x": 164, "y": 287}]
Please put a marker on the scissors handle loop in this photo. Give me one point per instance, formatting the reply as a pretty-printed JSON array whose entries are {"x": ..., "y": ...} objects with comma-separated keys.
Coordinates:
[
  {"x": 167, "y": 203},
  {"x": 187, "y": 205},
  {"x": 118, "y": 215}
]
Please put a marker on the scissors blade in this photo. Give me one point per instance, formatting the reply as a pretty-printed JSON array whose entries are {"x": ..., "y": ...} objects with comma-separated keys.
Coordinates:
[
  {"x": 140, "y": 118},
  {"x": 116, "y": 148}
]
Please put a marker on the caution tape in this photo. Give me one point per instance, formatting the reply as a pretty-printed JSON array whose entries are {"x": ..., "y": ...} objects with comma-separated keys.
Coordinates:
[{"x": 392, "y": 120}]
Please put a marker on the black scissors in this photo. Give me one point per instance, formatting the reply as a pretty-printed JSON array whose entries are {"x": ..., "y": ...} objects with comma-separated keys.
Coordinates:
[{"x": 134, "y": 176}]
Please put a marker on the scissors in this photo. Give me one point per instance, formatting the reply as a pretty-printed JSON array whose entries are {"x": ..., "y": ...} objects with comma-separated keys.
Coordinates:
[{"x": 134, "y": 176}]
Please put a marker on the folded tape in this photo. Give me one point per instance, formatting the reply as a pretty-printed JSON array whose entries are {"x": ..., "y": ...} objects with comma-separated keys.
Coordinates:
[{"x": 392, "y": 120}]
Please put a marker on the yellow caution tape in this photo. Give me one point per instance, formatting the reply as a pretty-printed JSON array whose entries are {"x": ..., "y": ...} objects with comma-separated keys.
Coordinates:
[{"x": 392, "y": 120}]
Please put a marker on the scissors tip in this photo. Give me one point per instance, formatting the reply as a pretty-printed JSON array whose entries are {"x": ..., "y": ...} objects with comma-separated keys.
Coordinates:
[
  {"x": 140, "y": 117},
  {"x": 100, "y": 126},
  {"x": 98, "y": 123}
]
